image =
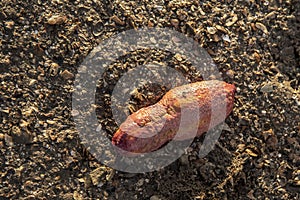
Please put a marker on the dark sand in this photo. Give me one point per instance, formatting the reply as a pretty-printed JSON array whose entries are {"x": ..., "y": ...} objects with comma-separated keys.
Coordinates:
[{"x": 255, "y": 45}]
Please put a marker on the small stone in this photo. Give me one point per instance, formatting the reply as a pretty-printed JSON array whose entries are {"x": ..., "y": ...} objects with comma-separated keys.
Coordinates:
[
  {"x": 74, "y": 112},
  {"x": 267, "y": 133},
  {"x": 250, "y": 195},
  {"x": 266, "y": 88},
  {"x": 140, "y": 182},
  {"x": 211, "y": 30},
  {"x": 251, "y": 153},
  {"x": 32, "y": 82},
  {"x": 98, "y": 174},
  {"x": 221, "y": 28},
  {"x": 99, "y": 128},
  {"x": 256, "y": 56},
  {"x": 231, "y": 21},
  {"x": 155, "y": 197},
  {"x": 82, "y": 69},
  {"x": 54, "y": 67},
  {"x": 261, "y": 27},
  {"x": 5, "y": 60},
  {"x": 77, "y": 196},
  {"x": 117, "y": 20},
  {"x": 51, "y": 122},
  {"x": 68, "y": 196},
  {"x": 9, "y": 24},
  {"x": 230, "y": 73},
  {"x": 150, "y": 24},
  {"x": 9, "y": 140},
  {"x": 105, "y": 193},
  {"x": 175, "y": 22},
  {"x": 226, "y": 38},
  {"x": 67, "y": 75},
  {"x": 57, "y": 19},
  {"x": 16, "y": 131}
]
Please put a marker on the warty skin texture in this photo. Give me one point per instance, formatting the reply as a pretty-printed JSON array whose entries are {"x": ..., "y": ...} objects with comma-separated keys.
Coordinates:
[{"x": 151, "y": 127}]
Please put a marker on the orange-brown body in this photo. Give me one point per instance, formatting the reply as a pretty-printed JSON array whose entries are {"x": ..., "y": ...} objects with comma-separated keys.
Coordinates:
[{"x": 151, "y": 127}]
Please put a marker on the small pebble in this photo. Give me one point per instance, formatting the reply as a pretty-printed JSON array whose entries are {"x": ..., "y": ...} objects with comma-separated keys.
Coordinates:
[
  {"x": 155, "y": 197},
  {"x": 67, "y": 75}
]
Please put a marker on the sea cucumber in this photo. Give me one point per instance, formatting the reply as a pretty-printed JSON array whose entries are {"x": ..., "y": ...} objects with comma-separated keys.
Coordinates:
[{"x": 151, "y": 127}]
